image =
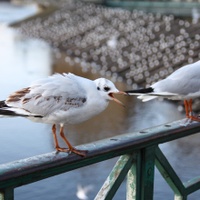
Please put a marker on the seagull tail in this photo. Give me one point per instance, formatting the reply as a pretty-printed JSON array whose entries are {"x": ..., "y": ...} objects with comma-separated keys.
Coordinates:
[
  {"x": 7, "y": 111},
  {"x": 148, "y": 94},
  {"x": 3, "y": 110},
  {"x": 145, "y": 94},
  {"x": 146, "y": 97}
]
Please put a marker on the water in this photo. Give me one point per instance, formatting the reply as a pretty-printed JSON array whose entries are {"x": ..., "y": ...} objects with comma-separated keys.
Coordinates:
[
  {"x": 25, "y": 60},
  {"x": 10, "y": 13}
]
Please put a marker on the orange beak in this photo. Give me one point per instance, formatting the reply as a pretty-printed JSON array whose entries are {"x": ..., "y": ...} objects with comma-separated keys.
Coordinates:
[{"x": 116, "y": 100}]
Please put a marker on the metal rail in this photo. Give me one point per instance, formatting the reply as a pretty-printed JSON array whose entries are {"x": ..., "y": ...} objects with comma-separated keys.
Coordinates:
[
  {"x": 177, "y": 8},
  {"x": 139, "y": 154}
]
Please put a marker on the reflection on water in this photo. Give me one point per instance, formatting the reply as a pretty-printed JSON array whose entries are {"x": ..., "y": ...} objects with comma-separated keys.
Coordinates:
[
  {"x": 16, "y": 71},
  {"x": 22, "y": 60},
  {"x": 10, "y": 12},
  {"x": 25, "y": 60}
]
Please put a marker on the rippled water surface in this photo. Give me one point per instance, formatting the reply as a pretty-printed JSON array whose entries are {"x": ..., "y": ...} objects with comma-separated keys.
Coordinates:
[{"x": 27, "y": 60}]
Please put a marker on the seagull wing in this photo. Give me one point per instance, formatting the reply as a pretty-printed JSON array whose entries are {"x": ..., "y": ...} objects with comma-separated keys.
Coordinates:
[
  {"x": 181, "y": 84},
  {"x": 43, "y": 97},
  {"x": 184, "y": 81}
]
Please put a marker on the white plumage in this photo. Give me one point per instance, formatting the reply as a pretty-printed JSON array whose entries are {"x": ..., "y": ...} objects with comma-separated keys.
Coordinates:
[
  {"x": 82, "y": 192},
  {"x": 61, "y": 99},
  {"x": 183, "y": 84}
]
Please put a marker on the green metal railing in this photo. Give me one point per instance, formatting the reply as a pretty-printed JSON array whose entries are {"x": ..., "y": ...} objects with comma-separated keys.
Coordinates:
[
  {"x": 139, "y": 154},
  {"x": 178, "y": 8}
]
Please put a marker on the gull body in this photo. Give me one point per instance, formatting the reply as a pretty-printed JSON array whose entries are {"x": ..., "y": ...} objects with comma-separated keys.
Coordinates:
[
  {"x": 61, "y": 99},
  {"x": 182, "y": 84},
  {"x": 82, "y": 192}
]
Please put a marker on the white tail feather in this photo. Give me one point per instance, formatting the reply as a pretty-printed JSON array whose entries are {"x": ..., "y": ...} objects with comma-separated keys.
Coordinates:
[
  {"x": 9, "y": 111},
  {"x": 145, "y": 98},
  {"x": 150, "y": 96}
]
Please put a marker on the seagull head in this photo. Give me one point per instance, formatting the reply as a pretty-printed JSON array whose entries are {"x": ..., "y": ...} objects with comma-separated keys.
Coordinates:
[{"x": 107, "y": 90}]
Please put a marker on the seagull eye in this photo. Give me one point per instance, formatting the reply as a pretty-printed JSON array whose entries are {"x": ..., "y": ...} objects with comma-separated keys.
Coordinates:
[
  {"x": 106, "y": 89},
  {"x": 98, "y": 88}
]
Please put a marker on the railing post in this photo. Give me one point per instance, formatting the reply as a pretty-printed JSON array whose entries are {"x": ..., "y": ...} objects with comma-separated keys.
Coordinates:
[
  {"x": 133, "y": 179},
  {"x": 140, "y": 180},
  {"x": 147, "y": 166},
  {"x": 7, "y": 194}
]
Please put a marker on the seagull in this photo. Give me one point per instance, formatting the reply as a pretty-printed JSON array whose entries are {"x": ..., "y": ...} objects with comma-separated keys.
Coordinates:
[
  {"x": 61, "y": 99},
  {"x": 182, "y": 84},
  {"x": 82, "y": 192},
  {"x": 112, "y": 42}
]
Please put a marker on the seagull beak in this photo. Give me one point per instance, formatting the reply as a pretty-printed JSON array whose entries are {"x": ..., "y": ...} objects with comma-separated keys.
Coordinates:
[{"x": 116, "y": 100}]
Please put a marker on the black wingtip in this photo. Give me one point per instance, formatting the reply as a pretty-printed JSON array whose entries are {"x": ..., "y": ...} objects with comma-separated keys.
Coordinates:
[
  {"x": 3, "y": 104},
  {"x": 142, "y": 91},
  {"x": 4, "y": 110},
  {"x": 8, "y": 113}
]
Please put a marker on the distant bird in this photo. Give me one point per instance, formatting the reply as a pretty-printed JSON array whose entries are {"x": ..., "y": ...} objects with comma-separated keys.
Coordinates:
[
  {"x": 61, "y": 99},
  {"x": 112, "y": 42},
  {"x": 82, "y": 192},
  {"x": 182, "y": 84},
  {"x": 195, "y": 15}
]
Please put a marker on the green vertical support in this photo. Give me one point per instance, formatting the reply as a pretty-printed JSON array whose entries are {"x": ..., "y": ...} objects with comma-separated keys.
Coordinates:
[
  {"x": 115, "y": 178},
  {"x": 133, "y": 179},
  {"x": 140, "y": 180},
  {"x": 170, "y": 176},
  {"x": 147, "y": 173},
  {"x": 7, "y": 194},
  {"x": 1, "y": 195}
]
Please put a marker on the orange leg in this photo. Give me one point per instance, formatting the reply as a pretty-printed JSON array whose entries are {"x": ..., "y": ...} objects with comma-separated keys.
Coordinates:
[
  {"x": 190, "y": 107},
  {"x": 188, "y": 110},
  {"x": 71, "y": 148},
  {"x": 58, "y": 148}
]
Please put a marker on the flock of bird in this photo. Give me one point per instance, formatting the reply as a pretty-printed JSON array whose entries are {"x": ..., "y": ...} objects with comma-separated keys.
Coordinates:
[
  {"x": 135, "y": 47},
  {"x": 63, "y": 99}
]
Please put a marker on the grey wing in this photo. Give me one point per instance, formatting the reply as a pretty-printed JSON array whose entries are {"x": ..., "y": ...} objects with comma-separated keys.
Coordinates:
[
  {"x": 59, "y": 92},
  {"x": 180, "y": 87},
  {"x": 45, "y": 105},
  {"x": 183, "y": 81}
]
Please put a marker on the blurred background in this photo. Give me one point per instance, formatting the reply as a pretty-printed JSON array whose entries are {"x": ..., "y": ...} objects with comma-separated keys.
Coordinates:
[{"x": 132, "y": 43}]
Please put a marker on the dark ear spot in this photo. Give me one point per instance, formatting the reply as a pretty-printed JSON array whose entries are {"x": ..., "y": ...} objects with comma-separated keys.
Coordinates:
[
  {"x": 106, "y": 88},
  {"x": 98, "y": 88}
]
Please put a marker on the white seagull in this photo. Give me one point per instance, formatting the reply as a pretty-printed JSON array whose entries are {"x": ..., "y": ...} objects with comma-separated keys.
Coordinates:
[
  {"x": 82, "y": 192},
  {"x": 61, "y": 99},
  {"x": 182, "y": 84}
]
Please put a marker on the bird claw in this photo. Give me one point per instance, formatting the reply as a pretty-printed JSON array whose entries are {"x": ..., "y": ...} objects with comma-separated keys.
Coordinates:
[
  {"x": 186, "y": 122},
  {"x": 73, "y": 150},
  {"x": 78, "y": 152},
  {"x": 59, "y": 149},
  {"x": 190, "y": 120}
]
